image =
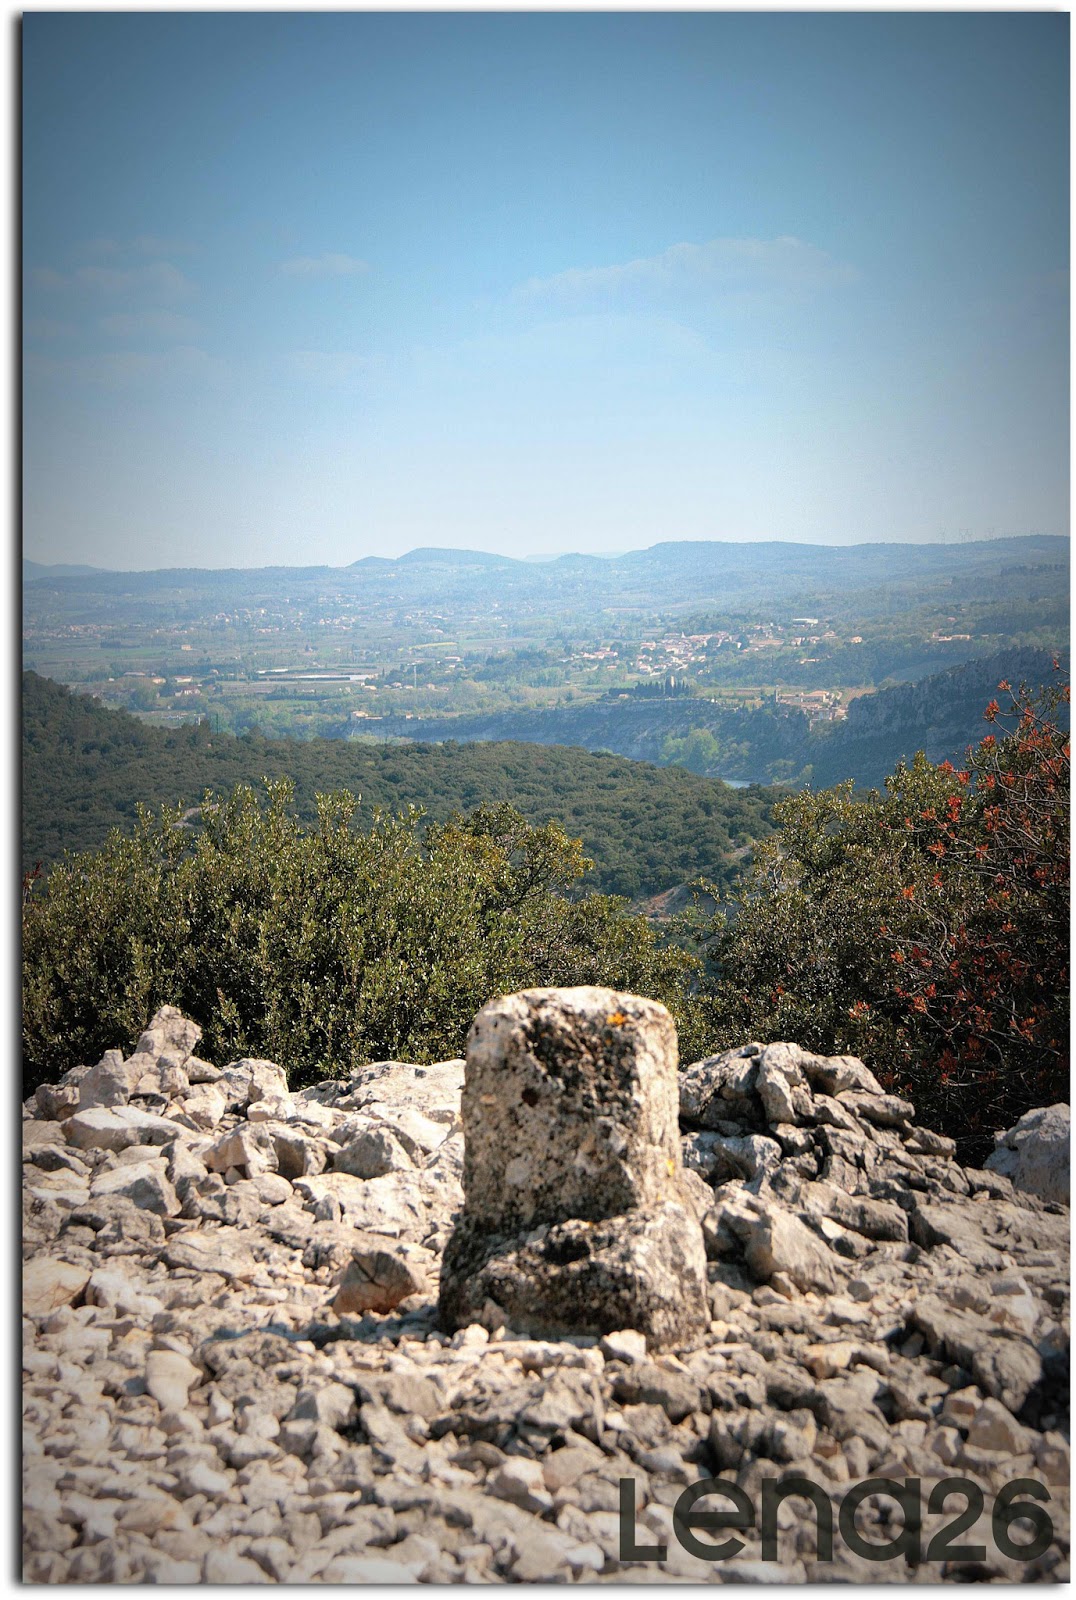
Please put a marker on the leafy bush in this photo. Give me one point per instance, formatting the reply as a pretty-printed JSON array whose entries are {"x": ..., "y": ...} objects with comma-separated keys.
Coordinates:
[
  {"x": 320, "y": 948},
  {"x": 925, "y": 930}
]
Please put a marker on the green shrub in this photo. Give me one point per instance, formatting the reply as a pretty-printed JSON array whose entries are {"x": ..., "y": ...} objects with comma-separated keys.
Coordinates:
[
  {"x": 925, "y": 930},
  {"x": 321, "y": 948}
]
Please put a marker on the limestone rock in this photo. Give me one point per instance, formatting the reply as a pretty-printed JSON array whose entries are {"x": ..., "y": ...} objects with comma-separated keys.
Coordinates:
[
  {"x": 248, "y": 1149},
  {"x": 1036, "y": 1153},
  {"x": 170, "y": 1377},
  {"x": 48, "y": 1283},
  {"x": 380, "y": 1274},
  {"x": 371, "y": 1153},
  {"x": 572, "y": 1214},
  {"x": 251, "y": 1079},
  {"x": 170, "y": 1031},
  {"x": 116, "y": 1128},
  {"x": 143, "y": 1182},
  {"x": 109, "y": 1083},
  {"x": 644, "y": 1270}
]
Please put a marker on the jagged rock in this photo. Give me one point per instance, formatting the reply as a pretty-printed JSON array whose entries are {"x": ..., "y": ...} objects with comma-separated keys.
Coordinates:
[
  {"x": 199, "y": 1071},
  {"x": 624, "y": 1344},
  {"x": 298, "y": 1154},
  {"x": 251, "y": 1079},
  {"x": 170, "y": 1377},
  {"x": 378, "y": 1276},
  {"x": 780, "y": 1242},
  {"x": 1006, "y": 1366},
  {"x": 572, "y": 1218},
  {"x": 432, "y": 1091},
  {"x": 109, "y": 1083},
  {"x": 48, "y": 1283},
  {"x": 249, "y": 1150},
  {"x": 1036, "y": 1153},
  {"x": 116, "y": 1128},
  {"x": 206, "y": 1108},
  {"x": 371, "y": 1153},
  {"x": 145, "y": 1183},
  {"x": 393, "y": 1204},
  {"x": 723, "y": 1088},
  {"x": 53, "y": 1102},
  {"x": 170, "y": 1031}
]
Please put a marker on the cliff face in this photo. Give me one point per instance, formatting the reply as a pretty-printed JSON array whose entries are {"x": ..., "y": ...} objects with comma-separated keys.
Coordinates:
[
  {"x": 941, "y": 715},
  {"x": 235, "y": 1372},
  {"x": 752, "y": 742}
]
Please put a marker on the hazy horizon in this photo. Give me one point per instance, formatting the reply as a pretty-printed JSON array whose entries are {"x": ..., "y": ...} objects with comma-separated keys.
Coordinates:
[
  {"x": 302, "y": 288},
  {"x": 539, "y": 559}
]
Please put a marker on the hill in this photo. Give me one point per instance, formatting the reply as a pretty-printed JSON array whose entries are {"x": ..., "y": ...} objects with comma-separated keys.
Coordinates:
[
  {"x": 32, "y": 570},
  {"x": 648, "y": 829}
]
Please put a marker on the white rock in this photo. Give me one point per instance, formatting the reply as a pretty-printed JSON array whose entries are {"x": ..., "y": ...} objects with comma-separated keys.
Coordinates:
[
  {"x": 114, "y": 1128},
  {"x": 251, "y": 1079},
  {"x": 995, "y": 1428},
  {"x": 144, "y": 1182},
  {"x": 520, "y": 1480},
  {"x": 625, "y": 1345},
  {"x": 169, "y": 1378},
  {"x": 274, "y": 1108},
  {"x": 207, "y": 1107},
  {"x": 366, "y": 1569},
  {"x": 228, "y": 1566},
  {"x": 109, "y": 1083},
  {"x": 1035, "y": 1153},
  {"x": 392, "y": 1205},
  {"x": 249, "y": 1150},
  {"x": 48, "y": 1283}
]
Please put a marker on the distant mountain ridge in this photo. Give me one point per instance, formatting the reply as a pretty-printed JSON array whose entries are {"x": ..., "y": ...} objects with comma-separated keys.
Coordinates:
[
  {"x": 32, "y": 570},
  {"x": 686, "y": 558}
]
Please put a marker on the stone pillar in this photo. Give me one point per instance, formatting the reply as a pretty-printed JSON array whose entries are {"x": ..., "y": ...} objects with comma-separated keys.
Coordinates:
[{"x": 574, "y": 1219}]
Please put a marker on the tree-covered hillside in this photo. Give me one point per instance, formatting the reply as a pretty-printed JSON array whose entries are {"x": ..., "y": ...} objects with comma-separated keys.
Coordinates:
[{"x": 86, "y": 769}]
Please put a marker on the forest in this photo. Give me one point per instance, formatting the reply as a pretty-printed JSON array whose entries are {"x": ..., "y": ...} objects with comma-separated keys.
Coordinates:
[{"x": 647, "y": 829}]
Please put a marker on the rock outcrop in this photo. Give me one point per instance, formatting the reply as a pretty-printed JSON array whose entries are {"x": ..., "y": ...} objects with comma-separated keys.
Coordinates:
[
  {"x": 575, "y": 1219},
  {"x": 235, "y": 1369}
]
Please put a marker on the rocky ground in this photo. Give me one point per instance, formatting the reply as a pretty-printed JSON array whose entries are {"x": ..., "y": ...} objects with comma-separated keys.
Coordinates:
[{"x": 233, "y": 1370}]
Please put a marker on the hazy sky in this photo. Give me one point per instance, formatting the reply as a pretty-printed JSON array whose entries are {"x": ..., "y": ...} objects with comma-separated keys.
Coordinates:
[{"x": 303, "y": 288}]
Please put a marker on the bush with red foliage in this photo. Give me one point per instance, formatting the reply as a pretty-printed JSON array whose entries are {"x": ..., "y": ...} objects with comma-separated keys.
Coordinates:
[{"x": 926, "y": 930}]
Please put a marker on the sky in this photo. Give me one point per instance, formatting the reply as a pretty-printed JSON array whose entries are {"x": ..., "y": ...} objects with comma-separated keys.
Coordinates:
[{"x": 301, "y": 288}]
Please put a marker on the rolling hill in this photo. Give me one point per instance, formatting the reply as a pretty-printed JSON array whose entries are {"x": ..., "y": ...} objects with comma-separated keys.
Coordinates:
[{"x": 648, "y": 829}]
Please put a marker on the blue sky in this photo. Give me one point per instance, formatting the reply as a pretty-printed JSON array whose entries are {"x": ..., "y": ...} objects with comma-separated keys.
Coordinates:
[{"x": 308, "y": 287}]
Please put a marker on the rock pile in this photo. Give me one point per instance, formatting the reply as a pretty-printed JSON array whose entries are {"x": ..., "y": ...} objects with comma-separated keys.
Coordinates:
[{"x": 235, "y": 1368}]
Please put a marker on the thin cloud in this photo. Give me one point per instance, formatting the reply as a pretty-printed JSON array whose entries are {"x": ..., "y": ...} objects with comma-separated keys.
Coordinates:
[
  {"x": 150, "y": 324},
  {"x": 720, "y": 269},
  {"x": 160, "y": 279},
  {"x": 331, "y": 265}
]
